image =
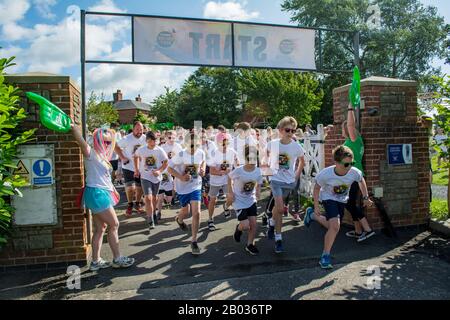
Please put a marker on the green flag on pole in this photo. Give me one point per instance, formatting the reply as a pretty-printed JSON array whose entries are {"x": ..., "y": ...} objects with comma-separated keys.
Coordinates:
[
  {"x": 51, "y": 116},
  {"x": 354, "y": 93}
]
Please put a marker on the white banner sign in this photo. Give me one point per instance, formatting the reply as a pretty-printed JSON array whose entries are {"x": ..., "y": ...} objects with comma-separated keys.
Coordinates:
[{"x": 176, "y": 41}]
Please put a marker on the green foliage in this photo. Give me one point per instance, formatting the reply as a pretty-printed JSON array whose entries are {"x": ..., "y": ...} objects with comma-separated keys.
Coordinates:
[
  {"x": 144, "y": 119},
  {"x": 11, "y": 136},
  {"x": 278, "y": 93},
  {"x": 440, "y": 176},
  {"x": 443, "y": 114},
  {"x": 439, "y": 209},
  {"x": 210, "y": 95},
  {"x": 99, "y": 112},
  {"x": 165, "y": 105},
  {"x": 410, "y": 37}
]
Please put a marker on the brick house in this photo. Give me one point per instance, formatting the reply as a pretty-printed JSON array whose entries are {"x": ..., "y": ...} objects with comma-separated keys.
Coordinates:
[{"x": 128, "y": 109}]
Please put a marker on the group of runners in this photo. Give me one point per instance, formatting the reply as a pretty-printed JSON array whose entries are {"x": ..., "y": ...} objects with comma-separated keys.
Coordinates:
[{"x": 198, "y": 165}]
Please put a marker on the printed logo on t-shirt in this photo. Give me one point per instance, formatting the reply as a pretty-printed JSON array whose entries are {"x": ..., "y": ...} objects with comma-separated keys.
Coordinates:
[
  {"x": 170, "y": 155},
  {"x": 248, "y": 187},
  {"x": 192, "y": 170},
  {"x": 225, "y": 165},
  {"x": 342, "y": 189},
  {"x": 283, "y": 160},
  {"x": 150, "y": 162},
  {"x": 165, "y": 177},
  {"x": 136, "y": 147}
]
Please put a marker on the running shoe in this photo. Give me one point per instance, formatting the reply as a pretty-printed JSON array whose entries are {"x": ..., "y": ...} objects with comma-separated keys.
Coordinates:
[
  {"x": 123, "y": 262},
  {"x": 353, "y": 234},
  {"x": 308, "y": 216},
  {"x": 226, "y": 211},
  {"x": 278, "y": 246},
  {"x": 325, "y": 262},
  {"x": 182, "y": 225},
  {"x": 251, "y": 248},
  {"x": 100, "y": 264},
  {"x": 129, "y": 211},
  {"x": 211, "y": 225},
  {"x": 237, "y": 234},
  {"x": 365, "y": 235},
  {"x": 195, "y": 249}
]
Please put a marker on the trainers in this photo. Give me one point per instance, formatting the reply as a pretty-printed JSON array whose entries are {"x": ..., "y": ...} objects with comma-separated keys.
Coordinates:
[
  {"x": 100, "y": 264},
  {"x": 129, "y": 211},
  {"x": 278, "y": 246},
  {"x": 251, "y": 248},
  {"x": 182, "y": 225},
  {"x": 123, "y": 262},
  {"x": 271, "y": 233},
  {"x": 226, "y": 211},
  {"x": 265, "y": 220},
  {"x": 237, "y": 234},
  {"x": 325, "y": 261},
  {"x": 205, "y": 200},
  {"x": 139, "y": 208},
  {"x": 211, "y": 225},
  {"x": 353, "y": 234},
  {"x": 296, "y": 217},
  {"x": 195, "y": 249},
  {"x": 151, "y": 223},
  {"x": 365, "y": 235},
  {"x": 308, "y": 216}
]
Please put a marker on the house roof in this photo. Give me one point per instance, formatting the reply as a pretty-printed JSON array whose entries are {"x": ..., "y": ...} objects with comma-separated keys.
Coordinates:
[{"x": 131, "y": 105}]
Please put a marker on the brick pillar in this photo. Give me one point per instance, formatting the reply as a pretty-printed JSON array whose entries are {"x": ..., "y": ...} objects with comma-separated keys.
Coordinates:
[
  {"x": 67, "y": 242},
  {"x": 406, "y": 188}
]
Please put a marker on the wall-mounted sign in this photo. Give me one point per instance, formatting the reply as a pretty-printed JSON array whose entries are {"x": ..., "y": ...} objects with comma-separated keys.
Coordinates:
[{"x": 399, "y": 154}]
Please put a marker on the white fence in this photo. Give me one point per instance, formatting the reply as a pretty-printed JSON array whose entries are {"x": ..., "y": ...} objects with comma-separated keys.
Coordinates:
[{"x": 314, "y": 146}]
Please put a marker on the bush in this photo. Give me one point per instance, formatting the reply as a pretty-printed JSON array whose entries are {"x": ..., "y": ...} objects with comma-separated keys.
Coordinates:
[
  {"x": 11, "y": 135},
  {"x": 438, "y": 209}
]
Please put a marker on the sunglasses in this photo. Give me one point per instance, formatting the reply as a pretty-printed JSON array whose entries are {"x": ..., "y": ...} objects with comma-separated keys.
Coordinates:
[
  {"x": 347, "y": 164},
  {"x": 289, "y": 130}
]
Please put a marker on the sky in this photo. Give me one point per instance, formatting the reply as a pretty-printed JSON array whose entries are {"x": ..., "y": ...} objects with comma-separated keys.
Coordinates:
[{"x": 44, "y": 35}]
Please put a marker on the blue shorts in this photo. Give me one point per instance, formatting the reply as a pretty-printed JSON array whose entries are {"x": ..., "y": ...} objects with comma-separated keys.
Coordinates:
[
  {"x": 97, "y": 200},
  {"x": 281, "y": 189},
  {"x": 333, "y": 209},
  {"x": 185, "y": 199}
]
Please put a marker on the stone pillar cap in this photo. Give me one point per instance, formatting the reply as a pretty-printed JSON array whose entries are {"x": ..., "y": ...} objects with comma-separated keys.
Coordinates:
[{"x": 379, "y": 81}]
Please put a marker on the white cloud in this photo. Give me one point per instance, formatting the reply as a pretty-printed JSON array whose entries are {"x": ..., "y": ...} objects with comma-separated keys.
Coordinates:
[
  {"x": 44, "y": 8},
  {"x": 148, "y": 81},
  {"x": 12, "y": 11},
  {"x": 106, "y": 6},
  {"x": 230, "y": 10}
]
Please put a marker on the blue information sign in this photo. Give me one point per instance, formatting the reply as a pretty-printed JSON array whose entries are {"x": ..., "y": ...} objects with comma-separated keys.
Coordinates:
[{"x": 399, "y": 154}]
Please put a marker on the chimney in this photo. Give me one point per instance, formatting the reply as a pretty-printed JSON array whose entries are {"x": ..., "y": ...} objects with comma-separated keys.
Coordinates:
[
  {"x": 117, "y": 96},
  {"x": 138, "y": 98}
]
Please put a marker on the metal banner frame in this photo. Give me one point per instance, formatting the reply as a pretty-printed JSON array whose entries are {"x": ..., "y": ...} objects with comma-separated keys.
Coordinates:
[{"x": 83, "y": 13}]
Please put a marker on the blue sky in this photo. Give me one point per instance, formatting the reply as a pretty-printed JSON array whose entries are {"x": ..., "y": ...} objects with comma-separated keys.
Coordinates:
[{"x": 44, "y": 36}]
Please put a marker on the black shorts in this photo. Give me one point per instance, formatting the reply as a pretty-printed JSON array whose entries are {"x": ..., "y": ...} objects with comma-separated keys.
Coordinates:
[
  {"x": 128, "y": 175},
  {"x": 333, "y": 209},
  {"x": 243, "y": 214},
  {"x": 114, "y": 164},
  {"x": 167, "y": 193}
]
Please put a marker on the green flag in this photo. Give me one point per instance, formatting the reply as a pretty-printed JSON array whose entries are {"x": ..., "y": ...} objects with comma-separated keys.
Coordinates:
[
  {"x": 354, "y": 93},
  {"x": 51, "y": 116}
]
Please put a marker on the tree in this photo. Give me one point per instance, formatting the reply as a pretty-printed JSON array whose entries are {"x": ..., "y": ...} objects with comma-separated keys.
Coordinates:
[
  {"x": 165, "y": 105},
  {"x": 279, "y": 93},
  {"x": 443, "y": 121},
  {"x": 210, "y": 95},
  {"x": 409, "y": 37},
  {"x": 11, "y": 136},
  {"x": 99, "y": 112},
  {"x": 144, "y": 119}
]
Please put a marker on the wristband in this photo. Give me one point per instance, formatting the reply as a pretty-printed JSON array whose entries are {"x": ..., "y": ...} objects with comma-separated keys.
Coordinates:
[
  {"x": 366, "y": 198},
  {"x": 350, "y": 109}
]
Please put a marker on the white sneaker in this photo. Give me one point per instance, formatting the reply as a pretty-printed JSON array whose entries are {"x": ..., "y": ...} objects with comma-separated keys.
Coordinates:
[
  {"x": 123, "y": 262},
  {"x": 100, "y": 264}
]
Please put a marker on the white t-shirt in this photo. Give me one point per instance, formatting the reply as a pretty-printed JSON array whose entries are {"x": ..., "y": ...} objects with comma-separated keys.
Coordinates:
[
  {"x": 129, "y": 144},
  {"x": 283, "y": 158},
  {"x": 244, "y": 186},
  {"x": 167, "y": 181},
  {"x": 218, "y": 159},
  {"x": 115, "y": 156},
  {"x": 98, "y": 172},
  {"x": 150, "y": 160},
  {"x": 335, "y": 187},
  {"x": 185, "y": 162},
  {"x": 440, "y": 138},
  {"x": 171, "y": 150},
  {"x": 239, "y": 146},
  {"x": 208, "y": 148}
]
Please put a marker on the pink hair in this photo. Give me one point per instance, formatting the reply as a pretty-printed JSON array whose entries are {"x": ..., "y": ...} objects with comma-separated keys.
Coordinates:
[{"x": 100, "y": 146}]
